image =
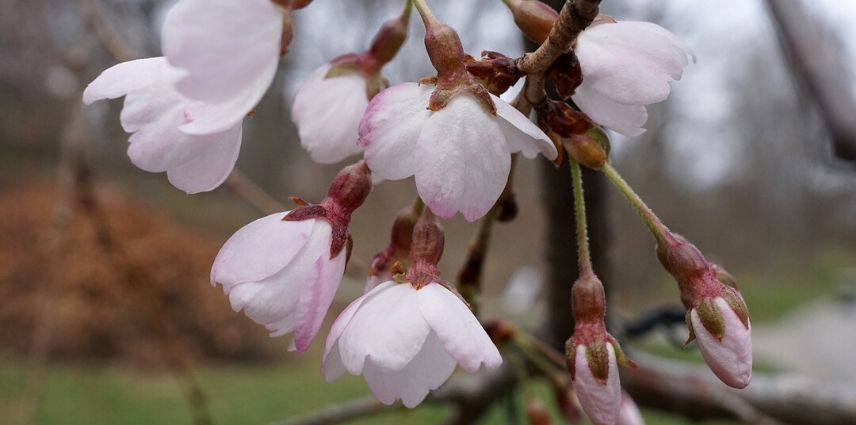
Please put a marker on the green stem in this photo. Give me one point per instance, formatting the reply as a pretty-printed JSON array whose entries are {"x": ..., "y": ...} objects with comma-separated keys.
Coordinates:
[
  {"x": 657, "y": 228},
  {"x": 405, "y": 14},
  {"x": 428, "y": 17},
  {"x": 580, "y": 211}
]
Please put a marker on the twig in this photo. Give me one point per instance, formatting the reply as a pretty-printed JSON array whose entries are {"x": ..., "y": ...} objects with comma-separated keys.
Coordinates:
[
  {"x": 338, "y": 413},
  {"x": 241, "y": 185}
]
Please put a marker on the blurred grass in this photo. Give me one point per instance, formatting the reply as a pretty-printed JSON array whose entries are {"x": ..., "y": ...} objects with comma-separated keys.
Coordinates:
[{"x": 237, "y": 395}]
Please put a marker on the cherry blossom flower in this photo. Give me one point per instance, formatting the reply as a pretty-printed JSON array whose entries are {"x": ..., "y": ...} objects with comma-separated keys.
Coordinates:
[
  {"x": 626, "y": 65},
  {"x": 228, "y": 51},
  {"x": 460, "y": 154},
  {"x": 727, "y": 351},
  {"x": 328, "y": 106},
  {"x": 406, "y": 341},
  {"x": 283, "y": 270},
  {"x": 154, "y": 112},
  {"x": 327, "y": 112}
]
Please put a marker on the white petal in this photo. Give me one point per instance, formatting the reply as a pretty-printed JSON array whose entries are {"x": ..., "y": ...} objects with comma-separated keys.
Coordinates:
[
  {"x": 521, "y": 133},
  {"x": 601, "y": 402},
  {"x": 431, "y": 367},
  {"x": 462, "y": 335},
  {"x": 731, "y": 358},
  {"x": 631, "y": 62},
  {"x": 260, "y": 249},
  {"x": 316, "y": 299},
  {"x": 230, "y": 52},
  {"x": 273, "y": 302},
  {"x": 202, "y": 163},
  {"x": 124, "y": 78},
  {"x": 327, "y": 113},
  {"x": 331, "y": 365},
  {"x": 386, "y": 329},
  {"x": 629, "y": 414},
  {"x": 625, "y": 119},
  {"x": 463, "y": 160},
  {"x": 390, "y": 127}
]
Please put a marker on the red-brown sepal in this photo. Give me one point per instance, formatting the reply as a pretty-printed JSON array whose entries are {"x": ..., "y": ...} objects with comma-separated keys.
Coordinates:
[
  {"x": 495, "y": 71},
  {"x": 565, "y": 74}
]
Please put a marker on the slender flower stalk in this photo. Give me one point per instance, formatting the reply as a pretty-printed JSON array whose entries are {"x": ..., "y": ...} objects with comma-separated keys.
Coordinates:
[
  {"x": 657, "y": 228},
  {"x": 582, "y": 227}
]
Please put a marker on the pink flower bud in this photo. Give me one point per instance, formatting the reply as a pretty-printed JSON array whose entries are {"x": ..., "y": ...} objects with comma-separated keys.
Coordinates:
[
  {"x": 533, "y": 17},
  {"x": 724, "y": 339},
  {"x": 629, "y": 414},
  {"x": 596, "y": 383}
]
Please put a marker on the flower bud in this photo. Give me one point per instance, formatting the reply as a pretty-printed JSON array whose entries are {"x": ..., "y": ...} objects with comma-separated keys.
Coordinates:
[
  {"x": 495, "y": 71},
  {"x": 499, "y": 331},
  {"x": 575, "y": 132},
  {"x": 389, "y": 39},
  {"x": 629, "y": 414},
  {"x": 533, "y": 17},
  {"x": 537, "y": 413}
]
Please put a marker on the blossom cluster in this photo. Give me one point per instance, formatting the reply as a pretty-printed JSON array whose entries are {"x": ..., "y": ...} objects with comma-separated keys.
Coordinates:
[{"x": 452, "y": 133}]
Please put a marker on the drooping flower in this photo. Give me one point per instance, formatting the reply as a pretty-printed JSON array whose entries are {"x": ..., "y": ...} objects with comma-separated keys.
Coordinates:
[
  {"x": 283, "y": 270},
  {"x": 406, "y": 338},
  {"x": 593, "y": 354},
  {"x": 453, "y": 136},
  {"x": 625, "y": 66},
  {"x": 328, "y": 106},
  {"x": 228, "y": 51},
  {"x": 717, "y": 316},
  {"x": 154, "y": 112}
]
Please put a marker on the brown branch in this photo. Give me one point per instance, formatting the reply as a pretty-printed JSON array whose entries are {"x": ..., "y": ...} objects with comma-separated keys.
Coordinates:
[
  {"x": 339, "y": 413},
  {"x": 241, "y": 185},
  {"x": 819, "y": 70}
]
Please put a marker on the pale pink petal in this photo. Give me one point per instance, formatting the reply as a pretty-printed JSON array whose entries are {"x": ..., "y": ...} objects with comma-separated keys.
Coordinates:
[
  {"x": 327, "y": 113},
  {"x": 386, "y": 328},
  {"x": 124, "y": 78},
  {"x": 153, "y": 114},
  {"x": 521, "y": 133},
  {"x": 316, "y": 300},
  {"x": 331, "y": 364},
  {"x": 260, "y": 249},
  {"x": 202, "y": 163},
  {"x": 601, "y": 402},
  {"x": 625, "y": 119},
  {"x": 390, "y": 128},
  {"x": 431, "y": 367},
  {"x": 629, "y": 414},
  {"x": 731, "y": 358},
  {"x": 462, "y": 160},
  {"x": 631, "y": 62},
  {"x": 462, "y": 335},
  {"x": 230, "y": 52},
  {"x": 273, "y": 301}
]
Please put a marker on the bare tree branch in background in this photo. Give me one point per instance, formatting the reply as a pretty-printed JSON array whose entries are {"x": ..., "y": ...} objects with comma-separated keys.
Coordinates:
[{"x": 819, "y": 70}]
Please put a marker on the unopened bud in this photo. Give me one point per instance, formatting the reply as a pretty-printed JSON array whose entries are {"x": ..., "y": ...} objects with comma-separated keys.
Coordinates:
[
  {"x": 629, "y": 413},
  {"x": 537, "y": 413},
  {"x": 495, "y": 71},
  {"x": 298, "y": 4},
  {"x": 565, "y": 74},
  {"x": 389, "y": 39},
  {"x": 723, "y": 333},
  {"x": 596, "y": 382},
  {"x": 533, "y": 17},
  {"x": 351, "y": 187},
  {"x": 499, "y": 331},
  {"x": 590, "y": 149}
]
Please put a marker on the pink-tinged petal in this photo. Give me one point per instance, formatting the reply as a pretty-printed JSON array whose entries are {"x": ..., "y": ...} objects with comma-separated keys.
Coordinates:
[
  {"x": 462, "y": 160},
  {"x": 124, "y": 78},
  {"x": 260, "y": 249},
  {"x": 316, "y": 299},
  {"x": 631, "y": 62},
  {"x": 202, "y": 163},
  {"x": 731, "y": 358},
  {"x": 462, "y": 335},
  {"x": 331, "y": 364},
  {"x": 386, "y": 329},
  {"x": 229, "y": 51},
  {"x": 327, "y": 113},
  {"x": 273, "y": 301},
  {"x": 625, "y": 119},
  {"x": 601, "y": 402},
  {"x": 629, "y": 414},
  {"x": 153, "y": 115},
  {"x": 521, "y": 133},
  {"x": 431, "y": 367},
  {"x": 390, "y": 128}
]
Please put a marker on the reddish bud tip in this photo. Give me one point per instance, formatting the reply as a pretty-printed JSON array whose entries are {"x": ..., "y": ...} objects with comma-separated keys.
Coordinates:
[
  {"x": 495, "y": 71},
  {"x": 500, "y": 331},
  {"x": 537, "y": 413},
  {"x": 533, "y": 17},
  {"x": 350, "y": 187}
]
